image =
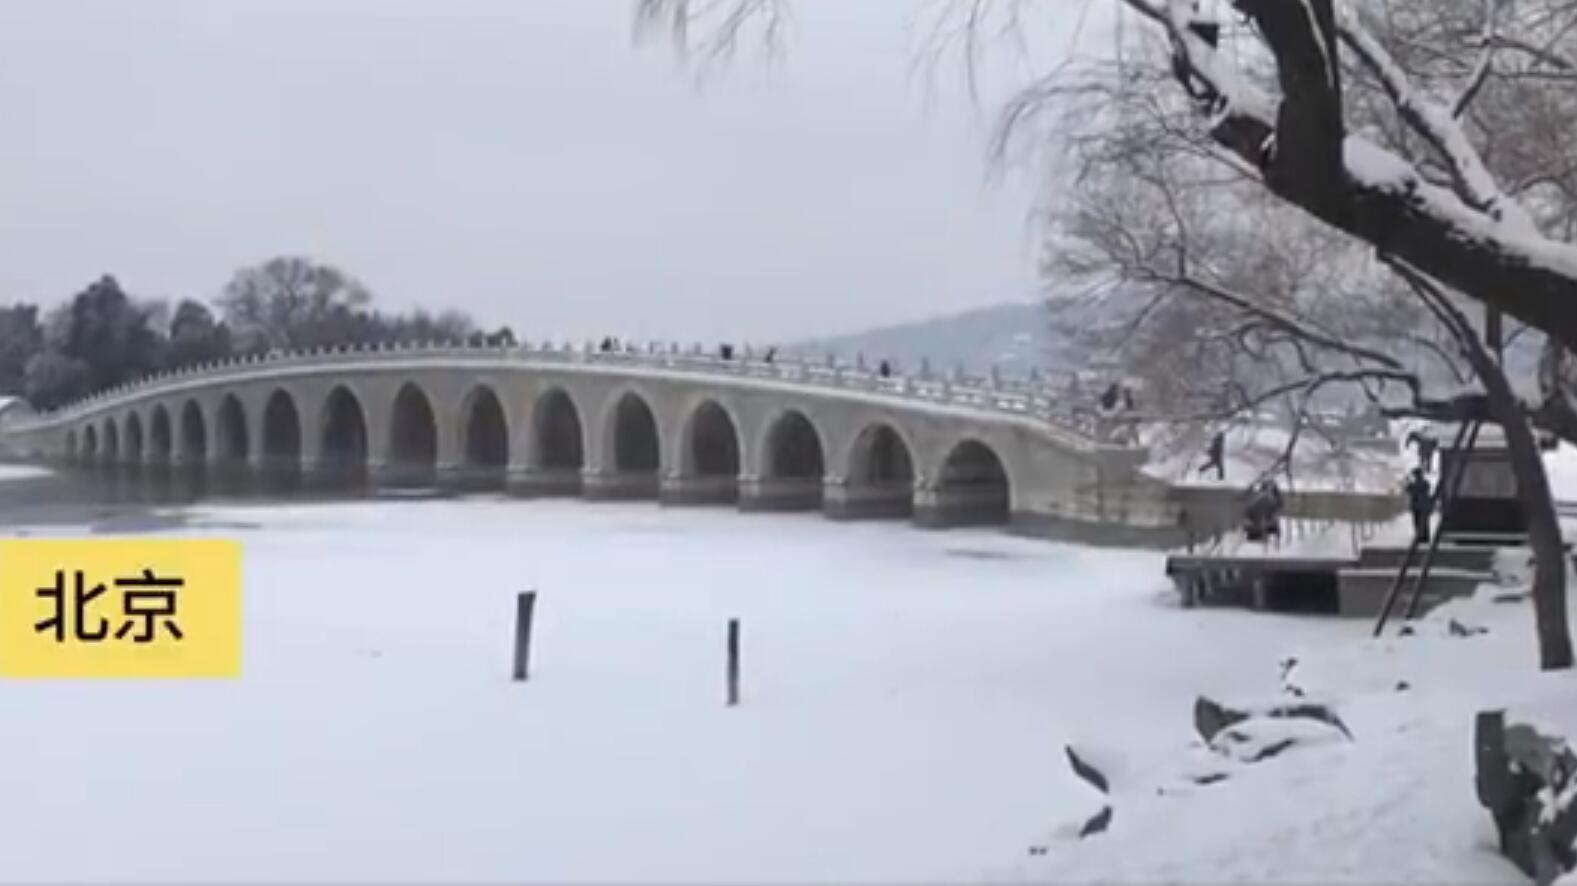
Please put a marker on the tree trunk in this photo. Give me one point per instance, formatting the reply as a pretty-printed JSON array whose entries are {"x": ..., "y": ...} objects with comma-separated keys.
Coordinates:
[{"x": 1538, "y": 506}]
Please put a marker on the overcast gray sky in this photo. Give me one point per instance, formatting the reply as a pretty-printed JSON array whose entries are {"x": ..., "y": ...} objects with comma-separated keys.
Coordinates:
[{"x": 518, "y": 159}]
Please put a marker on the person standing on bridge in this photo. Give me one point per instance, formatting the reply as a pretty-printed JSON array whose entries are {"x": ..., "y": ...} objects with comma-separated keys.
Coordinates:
[{"x": 1421, "y": 501}]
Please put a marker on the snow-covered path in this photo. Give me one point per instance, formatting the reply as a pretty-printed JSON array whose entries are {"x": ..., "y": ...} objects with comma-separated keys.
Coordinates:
[{"x": 907, "y": 696}]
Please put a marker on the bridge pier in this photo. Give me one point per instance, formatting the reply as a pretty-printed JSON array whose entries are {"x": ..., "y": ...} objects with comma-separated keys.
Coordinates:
[
  {"x": 942, "y": 507},
  {"x": 230, "y": 476},
  {"x": 619, "y": 485},
  {"x": 472, "y": 478},
  {"x": 402, "y": 475},
  {"x": 780, "y": 493},
  {"x": 335, "y": 476},
  {"x": 711, "y": 489},
  {"x": 276, "y": 474},
  {"x": 543, "y": 482},
  {"x": 844, "y": 501}
]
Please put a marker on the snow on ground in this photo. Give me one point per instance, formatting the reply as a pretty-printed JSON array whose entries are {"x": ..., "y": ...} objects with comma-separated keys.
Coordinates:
[
  {"x": 22, "y": 471},
  {"x": 907, "y": 698},
  {"x": 1561, "y": 465},
  {"x": 1395, "y": 804},
  {"x": 906, "y": 695},
  {"x": 1253, "y": 449},
  {"x": 1314, "y": 538}
]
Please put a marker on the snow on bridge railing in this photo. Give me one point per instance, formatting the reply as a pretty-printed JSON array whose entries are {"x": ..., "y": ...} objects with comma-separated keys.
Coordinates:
[{"x": 1052, "y": 399}]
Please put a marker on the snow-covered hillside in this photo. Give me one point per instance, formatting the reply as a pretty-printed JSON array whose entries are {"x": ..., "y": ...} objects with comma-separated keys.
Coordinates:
[{"x": 1014, "y": 336}]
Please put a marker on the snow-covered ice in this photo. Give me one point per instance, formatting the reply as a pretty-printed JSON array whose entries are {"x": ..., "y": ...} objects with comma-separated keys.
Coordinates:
[{"x": 907, "y": 698}]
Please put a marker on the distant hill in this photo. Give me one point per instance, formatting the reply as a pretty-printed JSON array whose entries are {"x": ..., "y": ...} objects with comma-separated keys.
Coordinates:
[{"x": 1014, "y": 335}]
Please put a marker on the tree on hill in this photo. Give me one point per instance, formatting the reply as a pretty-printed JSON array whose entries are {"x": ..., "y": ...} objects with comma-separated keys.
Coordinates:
[
  {"x": 109, "y": 333},
  {"x": 21, "y": 339},
  {"x": 195, "y": 337},
  {"x": 292, "y": 302}
]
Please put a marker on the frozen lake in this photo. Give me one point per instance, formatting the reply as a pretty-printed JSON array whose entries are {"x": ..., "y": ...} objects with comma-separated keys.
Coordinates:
[{"x": 906, "y": 698}]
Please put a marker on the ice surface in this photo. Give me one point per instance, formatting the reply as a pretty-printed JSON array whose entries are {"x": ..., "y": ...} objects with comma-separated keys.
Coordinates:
[{"x": 907, "y": 699}]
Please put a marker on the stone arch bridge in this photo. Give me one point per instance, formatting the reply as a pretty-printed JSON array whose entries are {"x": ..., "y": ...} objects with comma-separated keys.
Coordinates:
[{"x": 681, "y": 428}]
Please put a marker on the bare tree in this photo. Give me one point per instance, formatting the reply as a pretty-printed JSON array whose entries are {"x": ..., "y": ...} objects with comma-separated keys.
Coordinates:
[
  {"x": 1386, "y": 162},
  {"x": 1435, "y": 132},
  {"x": 1225, "y": 301},
  {"x": 291, "y": 302},
  {"x": 1226, "y": 305}
]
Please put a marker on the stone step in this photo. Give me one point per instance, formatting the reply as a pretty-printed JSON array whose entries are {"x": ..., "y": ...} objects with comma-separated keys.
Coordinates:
[
  {"x": 1361, "y": 592},
  {"x": 1490, "y": 540},
  {"x": 1448, "y": 556}
]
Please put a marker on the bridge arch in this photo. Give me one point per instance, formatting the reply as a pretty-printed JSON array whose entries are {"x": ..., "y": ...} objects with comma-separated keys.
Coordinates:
[
  {"x": 280, "y": 442},
  {"x": 972, "y": 486},
  {"x": 793, "y": 447},
  {"x": 880, "y": 472},
  {"x": 558, "y": 440},
  {"x": 343, "y": 447},
  {"x": 231, "y": 442},
  {"x": 633, "y": 440},
  {"x": 484, "y": 434},
  {"x": 194, "y": 433},
  {"x": 281, "y": 429},
  {"x": 71, "y": 446},
  {"x": 133, "y": 437},
  {"x": 413, "y": 435},
  {"x": 111, "y": 440},
  {"x": 793, "y": 461},
  {"x": 90, "y": 444},
  {"x": 709, "y": 452},
  {"x": 160, "y": 439}
]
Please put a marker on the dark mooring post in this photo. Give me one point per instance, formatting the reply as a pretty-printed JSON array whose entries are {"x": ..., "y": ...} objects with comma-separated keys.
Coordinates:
[
  {"x": 525, "y": 606},
  {"x": 733, "y": 662}
]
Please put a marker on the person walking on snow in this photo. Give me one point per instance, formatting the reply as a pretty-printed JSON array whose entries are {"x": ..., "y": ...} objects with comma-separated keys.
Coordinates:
[
  {"x": 1420, "y": 500},
  {"x": 1215, "y": 456}
]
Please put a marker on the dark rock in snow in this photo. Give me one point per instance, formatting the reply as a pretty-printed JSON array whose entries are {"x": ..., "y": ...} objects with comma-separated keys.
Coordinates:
[
  {"x": 1097, "y": 823},
  {"x": 1406, "y": 631},
  {"x": 1458, "y": 629},
  {"x": 1403, "y": 686},
  {"x": 1210, "y": 717},
  {"x": 1087, "y": 772},
  {"x": 1271, "y": 750},
  {"x": 1528, "y": 782}
]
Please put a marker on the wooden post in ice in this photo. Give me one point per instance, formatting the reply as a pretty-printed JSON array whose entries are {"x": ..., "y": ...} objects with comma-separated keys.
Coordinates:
[
  {"x": 525, "y": 606},
  {"x": 733, "y": 662}
]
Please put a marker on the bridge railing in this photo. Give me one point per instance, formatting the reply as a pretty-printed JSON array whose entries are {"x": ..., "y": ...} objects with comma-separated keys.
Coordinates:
[{"x": 1038, "y": 396}]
